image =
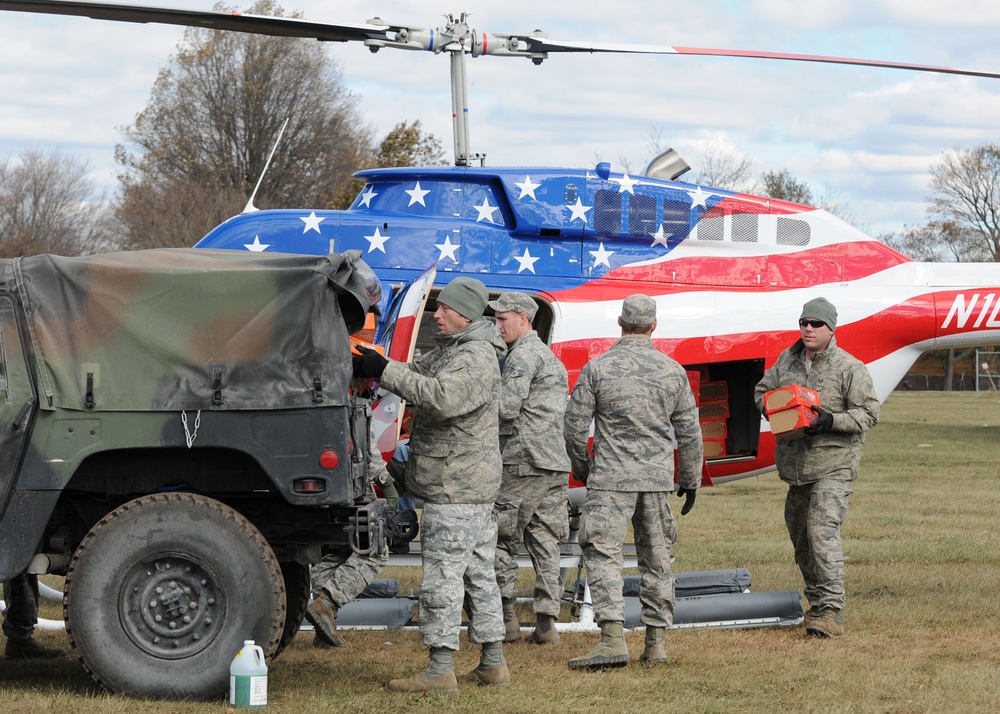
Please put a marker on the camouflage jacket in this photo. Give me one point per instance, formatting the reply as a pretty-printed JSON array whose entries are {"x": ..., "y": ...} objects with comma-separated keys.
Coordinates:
[
  {"x": 634, "y": 394},
  {"x": 454, "y": 391},
  {"x": 533, "y": 397},
  {"x": 845, "y": 390}
]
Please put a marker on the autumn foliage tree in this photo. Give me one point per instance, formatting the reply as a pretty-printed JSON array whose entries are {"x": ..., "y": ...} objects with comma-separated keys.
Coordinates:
[{"x": 199, "y": 147}]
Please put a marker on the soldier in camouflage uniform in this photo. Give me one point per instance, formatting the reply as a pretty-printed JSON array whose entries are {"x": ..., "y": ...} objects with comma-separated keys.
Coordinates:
[
  {"x": 634, "y": 394},
  {"x": 20, "y": 616},
  {"x": 820, "y": 467},
  {"x": 340, "y": 577},
  {"x": 454, "y": 466},
  {"x": 533, "y": 501}
]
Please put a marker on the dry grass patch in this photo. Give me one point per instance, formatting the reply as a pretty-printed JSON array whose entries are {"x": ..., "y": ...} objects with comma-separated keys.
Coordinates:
[{"x": 923, "y": 574}]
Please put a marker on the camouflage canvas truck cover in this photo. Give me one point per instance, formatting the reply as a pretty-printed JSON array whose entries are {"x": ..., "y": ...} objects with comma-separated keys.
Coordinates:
[{"x": 178, "y": 437}]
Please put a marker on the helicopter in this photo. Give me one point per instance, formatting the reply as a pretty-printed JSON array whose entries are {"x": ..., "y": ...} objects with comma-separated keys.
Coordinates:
[{"x": 729, "y": 271}]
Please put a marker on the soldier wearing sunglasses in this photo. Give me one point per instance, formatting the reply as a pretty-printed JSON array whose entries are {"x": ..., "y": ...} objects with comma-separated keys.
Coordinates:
[{"x": 821, "y": 465}]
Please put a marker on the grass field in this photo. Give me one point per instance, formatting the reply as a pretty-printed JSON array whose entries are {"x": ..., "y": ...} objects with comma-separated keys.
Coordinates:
[{"x": 923, "y": 611}]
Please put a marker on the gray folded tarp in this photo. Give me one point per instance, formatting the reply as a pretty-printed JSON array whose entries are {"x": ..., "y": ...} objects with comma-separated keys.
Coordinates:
[{"x": 705, "y": 582}]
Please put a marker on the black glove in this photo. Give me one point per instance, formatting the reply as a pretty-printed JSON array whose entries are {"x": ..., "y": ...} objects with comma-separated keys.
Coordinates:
[
  {"x": 689, "y": 494},
  {"x": 369, "y": 365},
  {"x": 823, "y": 423}
]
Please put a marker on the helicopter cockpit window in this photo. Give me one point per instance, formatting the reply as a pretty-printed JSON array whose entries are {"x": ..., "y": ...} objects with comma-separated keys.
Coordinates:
[
  {"x": 608, "y": 212},
  {"x": 641, "y": 215},
  {"x": 792, "y": 231},
  {"x": 419, "y": 197}
]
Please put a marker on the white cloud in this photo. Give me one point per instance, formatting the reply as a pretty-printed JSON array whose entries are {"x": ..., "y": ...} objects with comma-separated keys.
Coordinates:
[{"x": 869, "y": 134}]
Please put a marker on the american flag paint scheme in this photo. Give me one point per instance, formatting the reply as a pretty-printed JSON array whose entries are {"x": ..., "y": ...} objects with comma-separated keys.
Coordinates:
[{"x": 729, "y": 271}]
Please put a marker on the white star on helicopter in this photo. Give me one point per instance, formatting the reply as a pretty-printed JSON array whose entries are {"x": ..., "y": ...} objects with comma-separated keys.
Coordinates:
[
  {"x": 699, "y": 197},
  {"x": 579, "y": 211},
  {"x": 447, "y": 249},
  {"x": 527, "y": 187},
  {"x": 486, "y": 211},
  {"x": 417, "y": 195},
  {"x": 660, "y": 237},
  {"x": 377, "y": 241},
  {"x": 525, "y": 262},
  {"x": 601, "y": 256},
  {"x": 625, "y": 183},
  {"x": 312, "y": 222},
  {"x": 367, "y": 196},
  {"x": 257, "y": 246}
]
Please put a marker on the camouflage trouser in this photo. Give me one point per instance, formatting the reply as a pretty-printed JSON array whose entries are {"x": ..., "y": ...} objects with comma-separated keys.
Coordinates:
[
  {"x": 457, "y": 542},
  {"x": 20, "y": 596},
  {"x": 344, "y": 575},
  {"x": 536, "y": 509},
  {"x": 605, "y": 524},
  {"x": 813, "y": 514}
]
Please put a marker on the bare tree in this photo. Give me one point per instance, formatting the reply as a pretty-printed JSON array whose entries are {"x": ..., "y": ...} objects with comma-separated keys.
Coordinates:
[
  {"x": 47, "y": 205},
  {"x": 967, "y": 192},
  {"x": 724, "y": 167},
  {"x": 215, "y": 112},
  {"x": 937, "y": 241}
]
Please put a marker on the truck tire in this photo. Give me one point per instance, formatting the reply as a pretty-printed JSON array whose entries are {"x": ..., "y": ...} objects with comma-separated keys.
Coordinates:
[
  {"x": 297, "y": 595},
  {"x": 162, "y": 592}
]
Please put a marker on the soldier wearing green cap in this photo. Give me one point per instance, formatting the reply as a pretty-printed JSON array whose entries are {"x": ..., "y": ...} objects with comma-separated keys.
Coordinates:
[
  {"x": 454, "y": 466},
  {"x": 820, "y": 467}
]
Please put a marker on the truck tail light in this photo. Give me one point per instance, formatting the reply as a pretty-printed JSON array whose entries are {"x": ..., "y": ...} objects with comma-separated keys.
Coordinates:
[
  {"x": 308, "y": 485},
  {"x": 329, "y": 459}
]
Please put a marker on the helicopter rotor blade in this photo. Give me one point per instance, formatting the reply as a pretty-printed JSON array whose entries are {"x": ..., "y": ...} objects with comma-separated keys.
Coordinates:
[
  {"x": 237, "y": 22},
  {"x": 376, "y": 34},
  {"x": 536, "y": 43}
]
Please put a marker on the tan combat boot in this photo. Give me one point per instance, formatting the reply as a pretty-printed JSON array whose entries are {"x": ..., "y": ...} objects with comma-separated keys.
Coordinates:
[
  {"x": 545, "y": 632},
  {"x": 492, "y": 670},
  {"x": 656, "y": 650},
  {"x": 322, "y": 615},
  {"x": 510, "y": 622},
  {"x": 438, "y": 678},
  {"x": 810, "y": 616},
  {"x": 829, "y": 623},
  {"x": 610, "y": 652}
]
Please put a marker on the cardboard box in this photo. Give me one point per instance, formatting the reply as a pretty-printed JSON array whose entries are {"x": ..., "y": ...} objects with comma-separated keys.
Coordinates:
[
  {"x": 717, "y": 410},
  {"x": 794, "y": 395},
  {"x": 714, "y": 429},
  {"x": 790, "y": 423},
  {"x": 694, "y": 378},
  {"x": 714, "y": 447},
  {"x": 717, "y": 391},
  {"x": 789, "y": 409}
]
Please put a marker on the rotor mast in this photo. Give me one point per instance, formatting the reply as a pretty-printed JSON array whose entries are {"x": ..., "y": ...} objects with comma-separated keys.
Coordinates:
[{"x": 458, "y": 39}]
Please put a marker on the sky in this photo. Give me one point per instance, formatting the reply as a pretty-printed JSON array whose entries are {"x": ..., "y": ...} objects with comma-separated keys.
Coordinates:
[{"x": 865, "y": 137}]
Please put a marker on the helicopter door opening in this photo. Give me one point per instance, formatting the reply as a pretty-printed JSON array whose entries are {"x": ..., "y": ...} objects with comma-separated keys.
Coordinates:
[{"x": 730, "y": 422}]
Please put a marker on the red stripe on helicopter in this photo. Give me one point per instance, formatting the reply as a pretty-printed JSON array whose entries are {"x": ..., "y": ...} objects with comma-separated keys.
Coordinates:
[
  {"x": 844, "y": 262},
  {"x": 918, "y": 319}
]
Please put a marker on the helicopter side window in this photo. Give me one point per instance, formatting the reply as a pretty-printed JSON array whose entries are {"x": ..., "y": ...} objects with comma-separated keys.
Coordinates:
[
  {"x": 711, "y": 223},
  {"x": 608, "y": 212},
  {"x": 792, "y": 231},
  {"x": 641, "y": 215},
  {"x": 744, "y": 227},
  {"x": 677, "y": 217}
]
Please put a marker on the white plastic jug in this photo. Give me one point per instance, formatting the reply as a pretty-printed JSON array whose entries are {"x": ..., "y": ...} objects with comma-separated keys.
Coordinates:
[{"x": 248, "y": 678}]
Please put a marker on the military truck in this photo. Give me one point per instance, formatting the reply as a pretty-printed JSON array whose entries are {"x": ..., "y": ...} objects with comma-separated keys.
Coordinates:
[{"x": 178, "y": 438}]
